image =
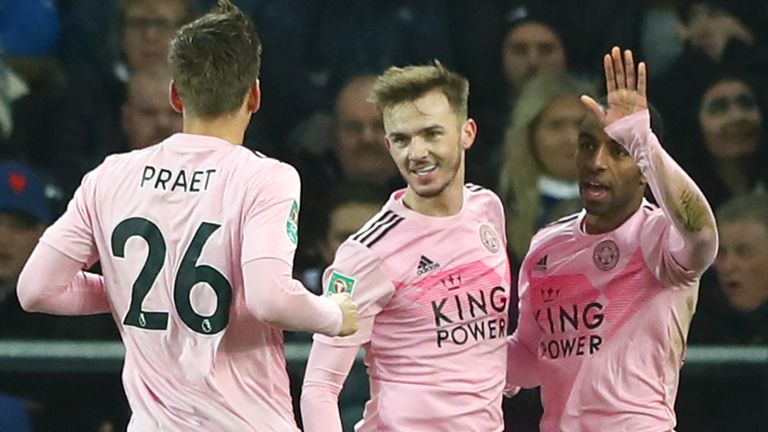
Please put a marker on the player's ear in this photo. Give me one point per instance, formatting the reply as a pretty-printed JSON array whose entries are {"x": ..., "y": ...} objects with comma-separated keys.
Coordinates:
[
  {"x": 254, "y": 96},
  {"x": 175, "y": 99},
  {"x": 468, "y": 133}
]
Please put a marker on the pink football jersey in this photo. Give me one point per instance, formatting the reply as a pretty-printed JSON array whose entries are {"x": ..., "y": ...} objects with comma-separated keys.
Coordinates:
[
  {"x": 172, "y": 226},
  {"x": 433, "y": 296},
  {"x": 607, "y": 317},
  {"x": 604, "y": 318}
]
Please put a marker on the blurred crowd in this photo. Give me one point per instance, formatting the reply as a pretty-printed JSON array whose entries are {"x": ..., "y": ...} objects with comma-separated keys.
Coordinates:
[{"x": 81, "y": 79}]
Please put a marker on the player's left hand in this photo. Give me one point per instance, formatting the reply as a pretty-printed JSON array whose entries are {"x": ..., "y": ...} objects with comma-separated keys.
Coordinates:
[
  {"x": 626, "y": 86},
  {"x": 511, "y": 391}
]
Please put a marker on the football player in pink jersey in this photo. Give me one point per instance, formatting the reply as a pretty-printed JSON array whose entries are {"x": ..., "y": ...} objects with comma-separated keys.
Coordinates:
[
  {"x": 430, "y": 275},
  {"x": 196, "y": 237},
  {"x": 607, "y": 294}
]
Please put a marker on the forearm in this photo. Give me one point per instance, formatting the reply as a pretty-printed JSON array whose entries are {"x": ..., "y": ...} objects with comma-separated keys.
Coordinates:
[
  {"x": 273, "y": 296},
  {"x": 522, "y": 365},
  {"x": 327, "y": 369},
  {"x": 52, "y": 282},
  {"x": 679, "y": 197}
]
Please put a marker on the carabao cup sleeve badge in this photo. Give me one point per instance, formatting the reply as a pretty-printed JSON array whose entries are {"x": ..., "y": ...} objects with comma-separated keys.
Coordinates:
[
  {"x": 340, "y": 284},
  {"x": 292, "y": 224}
]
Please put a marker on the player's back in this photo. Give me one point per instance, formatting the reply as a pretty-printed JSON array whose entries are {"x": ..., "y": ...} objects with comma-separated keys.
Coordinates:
[{"x": 169, "y": 223}]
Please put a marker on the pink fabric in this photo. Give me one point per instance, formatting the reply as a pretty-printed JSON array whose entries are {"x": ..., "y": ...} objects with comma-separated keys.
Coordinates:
[
  {"x": 279, "y": 306},
  {"x": 604, "y": 318},
  {"x": 432, "y": 294},
  {"x": 186, "y": 377},
  {"x": 52, "y": 282},
  {"x": 329, "y": 366}
]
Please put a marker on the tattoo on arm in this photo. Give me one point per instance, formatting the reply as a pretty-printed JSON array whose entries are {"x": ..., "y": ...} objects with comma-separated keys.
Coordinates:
[{"x": 692, "y": 212}]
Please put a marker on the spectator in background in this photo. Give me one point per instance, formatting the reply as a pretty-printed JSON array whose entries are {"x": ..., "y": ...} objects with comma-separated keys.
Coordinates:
[
  {"x": 147, "y": 29},
  {"x": 368, "y": 35},
  {"x": 89, "y": 124},
  {"x": 31, "y": 77},
  {"x": 726, "y": 154},
  {"x": 355, "y": 152},
  {"x": 24, "y": 215},
  {"x": 732, "y": 310},
  {"x": 531, "y": 44},
  {"x": 718, "y": 35},
  {"x": 736, "y": 310},
  {"x": 359, "y": 134},
  {"x": 147, "y": 116},
  {"x": 12, "y": 88},
  {"x": 538, "y": 176},
  {"x": 351, "y": 205},
  {"x": 538, "y": 185},
  {"x": 26, "y": 199}
]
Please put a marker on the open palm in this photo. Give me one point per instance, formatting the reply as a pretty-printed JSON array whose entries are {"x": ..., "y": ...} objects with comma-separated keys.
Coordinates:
[{"x": 626, "y": 88}]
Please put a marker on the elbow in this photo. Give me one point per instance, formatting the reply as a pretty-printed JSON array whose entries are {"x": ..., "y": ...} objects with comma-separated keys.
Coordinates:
[
  {"x": 706, "y": 246},
  {"x": 30, "y": 298},
  {"x": 315, "y": 395}
]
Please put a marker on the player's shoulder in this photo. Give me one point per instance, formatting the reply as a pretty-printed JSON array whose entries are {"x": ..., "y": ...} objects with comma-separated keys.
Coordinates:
[
  {"x": 565, "y": 226},
  {"x": 650, "y": 209},
  {"x": 256, "y": 160},
  {"x": 380, "y": 229},
  {"x": 264, "y": 172},
  {"x": 483, "y": 198},
  {"x": 114, "y": 163},
  {"x": 652, "y": 217},
  {"x": 480, "y": 193}
]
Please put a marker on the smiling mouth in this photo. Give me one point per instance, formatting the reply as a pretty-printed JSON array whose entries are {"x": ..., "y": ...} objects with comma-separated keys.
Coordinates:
[{"x": 422, "y": 171}]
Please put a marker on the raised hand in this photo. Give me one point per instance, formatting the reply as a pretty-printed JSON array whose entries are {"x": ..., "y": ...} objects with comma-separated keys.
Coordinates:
[{"x": 625, "y": 85}]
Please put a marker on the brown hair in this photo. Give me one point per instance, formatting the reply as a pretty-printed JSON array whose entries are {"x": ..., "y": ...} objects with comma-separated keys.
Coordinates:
[
  {"x": 214, "y": 60},
  {"x": 397, "y": 85}
]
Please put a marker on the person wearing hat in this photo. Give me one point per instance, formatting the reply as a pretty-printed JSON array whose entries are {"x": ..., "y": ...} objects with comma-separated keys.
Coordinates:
[
  {"x": 531, "y": 45},
  {"x": 24, "y": 214}
]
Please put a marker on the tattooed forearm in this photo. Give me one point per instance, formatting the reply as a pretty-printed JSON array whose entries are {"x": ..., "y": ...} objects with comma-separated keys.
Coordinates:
[{"x": 692, "y": 212}]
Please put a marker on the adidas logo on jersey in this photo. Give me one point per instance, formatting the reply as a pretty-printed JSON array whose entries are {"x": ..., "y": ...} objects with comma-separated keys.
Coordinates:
[
  {"x": 541, "y": 264},
  {"x": 426, "y": 265}
]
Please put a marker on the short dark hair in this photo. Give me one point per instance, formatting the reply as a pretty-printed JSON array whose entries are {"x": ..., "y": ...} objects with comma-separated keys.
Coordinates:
[
  {"x": 751, "y": 206},
  {"x": 214, "y": 60}
]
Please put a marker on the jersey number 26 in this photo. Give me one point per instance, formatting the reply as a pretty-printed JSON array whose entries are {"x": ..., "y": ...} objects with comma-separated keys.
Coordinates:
[{"x": 188, "y": 275}]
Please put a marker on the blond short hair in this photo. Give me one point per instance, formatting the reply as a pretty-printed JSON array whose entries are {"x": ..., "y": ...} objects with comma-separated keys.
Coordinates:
[{"x": 403, "y": 84}]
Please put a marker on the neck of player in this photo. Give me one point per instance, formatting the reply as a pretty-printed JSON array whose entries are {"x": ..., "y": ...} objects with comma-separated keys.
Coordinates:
[
  {"x": 601, "y": 224},
  {"x": 447, "y": 202},
  {"x": 229, "y": 127}
]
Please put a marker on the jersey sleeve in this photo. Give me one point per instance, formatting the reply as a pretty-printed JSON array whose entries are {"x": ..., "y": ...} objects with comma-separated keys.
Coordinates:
[
  {"x": 682, "y": 242},
  {"x": 522, "y": 360},
  {"x": 327, "y": 369},
  {"x": 53, "y": 282},
  {"x": 270, "y": 225},
  {"x": 73, "y": 233},
  {"x": 358, "y": 271},
  {"x": 661, "y": 245}
]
